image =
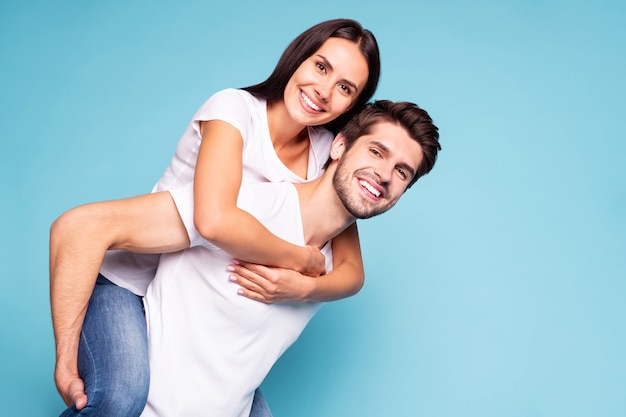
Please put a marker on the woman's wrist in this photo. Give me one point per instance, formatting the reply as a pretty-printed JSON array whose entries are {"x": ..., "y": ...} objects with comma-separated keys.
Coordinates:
[{"x": 314, "y": 264}]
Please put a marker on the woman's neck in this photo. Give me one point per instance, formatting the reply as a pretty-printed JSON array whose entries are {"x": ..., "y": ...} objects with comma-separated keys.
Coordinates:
[
  {"x": 290, "y": 139},
  {"x": 283, "y": 129}
]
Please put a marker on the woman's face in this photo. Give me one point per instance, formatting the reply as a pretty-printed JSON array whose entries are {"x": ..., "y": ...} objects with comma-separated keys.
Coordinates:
[{"x": 327, "y": 83}]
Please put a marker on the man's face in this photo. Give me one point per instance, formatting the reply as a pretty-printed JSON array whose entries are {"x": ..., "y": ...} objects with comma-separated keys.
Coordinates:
[{"x": 373, "y": 174}]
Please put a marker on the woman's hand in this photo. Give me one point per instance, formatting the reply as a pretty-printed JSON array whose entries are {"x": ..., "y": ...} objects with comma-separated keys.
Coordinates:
[
  {"x": 270, "y": 285},
  {"x": 317, "y": 263}
]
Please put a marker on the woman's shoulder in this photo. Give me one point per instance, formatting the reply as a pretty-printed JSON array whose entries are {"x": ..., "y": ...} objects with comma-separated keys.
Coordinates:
[
  {"x": 228, "y": 101},
  {"x": 235, "y": 95}
]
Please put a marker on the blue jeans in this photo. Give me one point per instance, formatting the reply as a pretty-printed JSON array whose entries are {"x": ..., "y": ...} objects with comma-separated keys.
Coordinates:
[{"x": 113, "y": 356}]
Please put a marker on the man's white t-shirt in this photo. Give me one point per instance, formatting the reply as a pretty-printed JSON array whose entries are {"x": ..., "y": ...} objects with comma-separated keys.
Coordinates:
[
  {"x": 210, "y": 348},
  {"x": 246, "y": 113}
]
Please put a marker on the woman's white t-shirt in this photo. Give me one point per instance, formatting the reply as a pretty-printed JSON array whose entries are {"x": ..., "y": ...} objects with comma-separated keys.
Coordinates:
[{"x": 246, "y": 113}]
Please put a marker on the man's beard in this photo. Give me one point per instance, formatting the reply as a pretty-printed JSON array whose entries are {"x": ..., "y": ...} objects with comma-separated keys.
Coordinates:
[{"x": 357, "y": 206}]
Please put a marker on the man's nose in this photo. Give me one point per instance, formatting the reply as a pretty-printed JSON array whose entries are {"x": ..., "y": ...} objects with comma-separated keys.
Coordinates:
[{"x": 384, "y": 171}]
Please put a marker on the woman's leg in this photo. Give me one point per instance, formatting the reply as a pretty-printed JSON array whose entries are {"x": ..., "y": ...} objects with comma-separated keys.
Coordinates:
[
  {"x": 113, "y": 354},
  {"x": 259, "y": 406}
]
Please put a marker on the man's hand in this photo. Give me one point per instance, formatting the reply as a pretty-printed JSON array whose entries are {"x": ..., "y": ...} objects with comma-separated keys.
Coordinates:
[
  {"x": 270, "y": 285},
  {"x": 71, "y": 388}
]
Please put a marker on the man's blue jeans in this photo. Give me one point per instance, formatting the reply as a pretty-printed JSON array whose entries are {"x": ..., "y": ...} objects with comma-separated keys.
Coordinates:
[{"x": 113, "y": 356}]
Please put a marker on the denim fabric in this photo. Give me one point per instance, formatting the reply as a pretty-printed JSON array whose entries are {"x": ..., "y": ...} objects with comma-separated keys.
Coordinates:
[
  {"x": 113, "y": 356},
  {"x": 259, "y": 406}
]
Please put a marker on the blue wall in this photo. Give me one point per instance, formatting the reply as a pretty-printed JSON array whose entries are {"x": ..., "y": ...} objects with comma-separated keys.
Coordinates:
[{"x": 495, "y": 288}]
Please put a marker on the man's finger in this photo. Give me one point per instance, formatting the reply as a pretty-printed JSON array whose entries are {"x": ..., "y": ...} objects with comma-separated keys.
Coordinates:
[{"x": 77, "y": 394}]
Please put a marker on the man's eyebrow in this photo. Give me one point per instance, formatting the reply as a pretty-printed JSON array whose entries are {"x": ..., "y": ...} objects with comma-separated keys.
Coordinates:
[
  {"x": 382, "y": 146},
  {"x": 403, "y": 165},
  {"x": 330, "y": 66}
]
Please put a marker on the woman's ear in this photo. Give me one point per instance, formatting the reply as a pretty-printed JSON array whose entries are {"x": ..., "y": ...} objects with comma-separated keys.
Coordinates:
[{"x": 337, "y": 147}]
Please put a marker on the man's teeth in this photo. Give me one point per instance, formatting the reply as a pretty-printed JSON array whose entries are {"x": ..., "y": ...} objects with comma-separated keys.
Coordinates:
[
  {"x": 308, "y": 101},
  {"x": 369, "y": 188}
]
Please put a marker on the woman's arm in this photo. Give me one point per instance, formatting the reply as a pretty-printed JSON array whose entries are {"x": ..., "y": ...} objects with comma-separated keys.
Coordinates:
[
  {"x": 79, "y": 239},
  {"x": 218, "y": 219},
  {"x": 273, "y": 285}
]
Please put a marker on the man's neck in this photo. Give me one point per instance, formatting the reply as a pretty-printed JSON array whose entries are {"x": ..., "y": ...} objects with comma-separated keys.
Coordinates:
[{"x": 323, "y": 214}]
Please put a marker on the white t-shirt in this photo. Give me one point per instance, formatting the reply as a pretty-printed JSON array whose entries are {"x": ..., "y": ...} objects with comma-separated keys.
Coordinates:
[
  {"x": 210, "y": 348},
  {"x": 247, "y": 114}
]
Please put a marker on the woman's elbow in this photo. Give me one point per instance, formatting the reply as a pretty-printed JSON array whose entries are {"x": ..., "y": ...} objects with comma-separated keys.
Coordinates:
[{"x": 208, "y": 224}]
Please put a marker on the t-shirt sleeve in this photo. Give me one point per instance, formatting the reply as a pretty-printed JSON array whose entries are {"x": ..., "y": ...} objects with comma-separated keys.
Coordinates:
[
  {"x": 183, "y": 198},
  {"x": 321, "y": 142},
  {"x": 231, "y": 106}
]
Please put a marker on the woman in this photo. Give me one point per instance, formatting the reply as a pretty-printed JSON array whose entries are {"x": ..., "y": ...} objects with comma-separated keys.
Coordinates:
[{"x": 326, "y": 74}]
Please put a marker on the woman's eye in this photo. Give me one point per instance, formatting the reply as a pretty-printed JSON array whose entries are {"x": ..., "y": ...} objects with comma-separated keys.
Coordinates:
[
  {"x": 321, "y": 67},
  {"x": 345, "y": 88}
]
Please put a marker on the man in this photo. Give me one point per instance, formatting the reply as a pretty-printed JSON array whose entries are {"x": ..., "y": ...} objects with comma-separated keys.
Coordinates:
[{"x": 373, "y": 161}]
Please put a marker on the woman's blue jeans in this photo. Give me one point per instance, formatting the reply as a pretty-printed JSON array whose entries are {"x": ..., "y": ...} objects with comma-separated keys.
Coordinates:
[{"x": 113, "y": 356}]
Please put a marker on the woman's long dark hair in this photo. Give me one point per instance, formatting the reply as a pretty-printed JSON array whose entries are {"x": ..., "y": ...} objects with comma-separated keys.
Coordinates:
[{"x": 305, "y": 45}]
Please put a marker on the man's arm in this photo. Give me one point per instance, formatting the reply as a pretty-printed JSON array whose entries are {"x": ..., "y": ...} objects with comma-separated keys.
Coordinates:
[
  {"x": 276, "y": 285},
  {"x": 79, "y": 238}
]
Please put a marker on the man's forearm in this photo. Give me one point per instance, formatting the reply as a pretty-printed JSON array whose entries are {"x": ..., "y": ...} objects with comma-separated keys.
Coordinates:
[
  {"x": 79, "y": 240},
  {"x": 75, "y": 257},
  {"x": 76, "y": 253}
]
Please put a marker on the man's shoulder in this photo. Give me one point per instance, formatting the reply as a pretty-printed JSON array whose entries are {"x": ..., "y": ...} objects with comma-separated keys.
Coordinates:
[
  {"x": 268, "y": 196},
  {"x": 275, "y": 204}
]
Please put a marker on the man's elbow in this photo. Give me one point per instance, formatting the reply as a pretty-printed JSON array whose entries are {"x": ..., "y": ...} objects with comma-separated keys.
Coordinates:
[
  {"x": 78, "y": 224},
  {"x": 62, "y": 226}
]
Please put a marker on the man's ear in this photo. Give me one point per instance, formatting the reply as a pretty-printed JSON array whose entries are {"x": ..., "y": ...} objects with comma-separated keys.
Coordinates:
[{"x": 338, "y": 147}]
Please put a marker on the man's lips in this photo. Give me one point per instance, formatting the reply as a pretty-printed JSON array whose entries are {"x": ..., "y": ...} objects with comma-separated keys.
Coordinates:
[{"x": 373, "y": 189}]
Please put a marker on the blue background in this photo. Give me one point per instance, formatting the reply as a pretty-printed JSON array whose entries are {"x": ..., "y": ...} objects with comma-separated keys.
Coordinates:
[{"x": 495, "y": 288}]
